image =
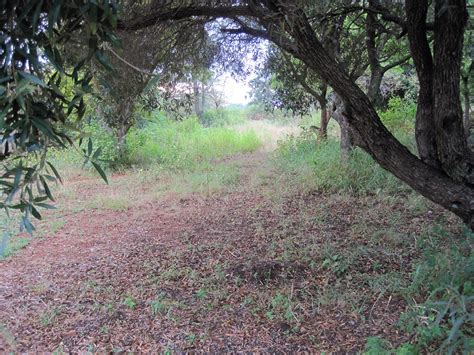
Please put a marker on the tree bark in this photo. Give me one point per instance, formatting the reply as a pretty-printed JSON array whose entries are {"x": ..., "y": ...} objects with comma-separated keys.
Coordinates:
[
  {"x": 450, "y": 21},
  {"x": 467, "y": 105},
  {"x": 376, "y": 72},
  {"x": 323, "y": 127},
  {"x": 374, "y": 94},
  {"x": 346, "y": 137},
  {"x": 416, "y": 11}
]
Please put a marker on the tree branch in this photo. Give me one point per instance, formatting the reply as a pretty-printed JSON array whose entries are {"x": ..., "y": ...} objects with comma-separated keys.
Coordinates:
[
  {"x": 394, "y": 64},
  {"x": 181, "y": 13}
]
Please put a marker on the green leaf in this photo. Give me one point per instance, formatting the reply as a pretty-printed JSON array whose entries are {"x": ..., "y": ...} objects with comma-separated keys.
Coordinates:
[
  {"x": 25, "y": 222},
  {"x": 104, "y": 60},
  {"x": 55, "y": 172},
  {"x": 46, "y": 188},
  {"x": 152, "y": 82},
  {"x": 89, "y": 148},
  {"x": 100, "y": 171},
  {"x": 46, "y": 206},
  {"x": 35, "y": 212},
  {"x": 97, "y": 153},
  {"x": 32, "y": 78},
  {"x": 36, "y": 14}
]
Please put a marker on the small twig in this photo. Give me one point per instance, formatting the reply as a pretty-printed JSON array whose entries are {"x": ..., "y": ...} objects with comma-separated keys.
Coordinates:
[
  {"x": 373, "y": 306},
  {"x": 109, "y": 48}
]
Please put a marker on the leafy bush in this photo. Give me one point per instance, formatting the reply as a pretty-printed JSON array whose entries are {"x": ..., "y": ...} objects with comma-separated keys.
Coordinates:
[
  {"x": 441, "y": 297},
  {"x": 399, "y": 115},
  {"x": 223, "y": 116},
  {"x": 184, "y": 144}
]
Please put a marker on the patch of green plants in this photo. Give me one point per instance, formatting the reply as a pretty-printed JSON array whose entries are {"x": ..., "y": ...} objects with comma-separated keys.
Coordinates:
[
  {"x": 130, "y": 302},
  {"x": 441, "y": 295},
  {"x": 185, "y": 144},
  {"x": 399, "y": 115},
  {"x": 101, "y": 136},
  {"x": 160, "y": 304},
  {"x": 48, "y": 317},
  {"x": 318, "y": 166},
  {"x": 281, "y": 307},
  {"x": 444, "y": 321},
  {"x": 224, "y": 116}
]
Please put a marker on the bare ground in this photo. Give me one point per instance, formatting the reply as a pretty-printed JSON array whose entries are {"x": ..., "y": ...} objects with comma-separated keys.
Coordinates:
[{"x": 247, "y": 268}]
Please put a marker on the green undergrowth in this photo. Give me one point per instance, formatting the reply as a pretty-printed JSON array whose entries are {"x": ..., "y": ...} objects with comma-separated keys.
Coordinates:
[
  {"x": 439, "y": 289},
  {"x": 440, "y": 297},
  {"x": 319, "y": 166}
]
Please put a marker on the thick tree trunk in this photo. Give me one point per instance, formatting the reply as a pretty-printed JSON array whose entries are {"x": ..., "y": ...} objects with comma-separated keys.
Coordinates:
[
  {"x": 374, "y": 94},
  {"x": 467, "y": 105},
  {"x": 416, "y": 11},
  {"x": 124, "y": 122},
  {"x": 346, "y": 137},
  {"x": 455, "y": 157}
]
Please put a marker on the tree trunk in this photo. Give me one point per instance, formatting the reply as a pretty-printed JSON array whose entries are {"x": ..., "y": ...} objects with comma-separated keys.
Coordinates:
[
  {"x": 323, "y": 127},
  {"x": 376, "y": 72},
  {"x": 325, "y": 114},
  {"x": 346, "y": 139},
  {"x": 467, "y": 105},
  {"x": 374, "y": 94},
  {"x": 124, "y": 122},
  {"x": 198, "y": 107},
  {"x": 450, "y": 21},
  {"x": 416, "y": 11}
]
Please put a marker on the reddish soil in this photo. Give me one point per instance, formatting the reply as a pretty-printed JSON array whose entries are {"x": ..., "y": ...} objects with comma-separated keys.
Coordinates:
[{"x": 197, "y": 273}]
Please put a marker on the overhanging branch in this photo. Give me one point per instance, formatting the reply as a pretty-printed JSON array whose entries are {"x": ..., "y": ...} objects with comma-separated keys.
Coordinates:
[{"x": 182, "y": 13}]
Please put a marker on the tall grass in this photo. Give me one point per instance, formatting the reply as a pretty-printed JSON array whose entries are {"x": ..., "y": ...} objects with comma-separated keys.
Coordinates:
[
  {"x": 318, "y": 166},
  {"x": 185, "y": 144}
]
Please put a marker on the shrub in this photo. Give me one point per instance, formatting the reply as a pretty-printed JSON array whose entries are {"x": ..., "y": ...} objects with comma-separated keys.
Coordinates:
[
  {"x": 399, "y": 115},
  {"x": 224, "y": 116}
]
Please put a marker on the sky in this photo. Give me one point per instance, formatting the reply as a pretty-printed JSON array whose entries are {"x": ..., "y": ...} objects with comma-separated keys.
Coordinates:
[{"x": 235, "y": 92}]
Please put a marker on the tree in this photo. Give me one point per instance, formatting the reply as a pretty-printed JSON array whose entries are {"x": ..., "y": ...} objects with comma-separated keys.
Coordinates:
[
  {"x": 41, "y": 94},
  {"x": 444, "y": 171}
]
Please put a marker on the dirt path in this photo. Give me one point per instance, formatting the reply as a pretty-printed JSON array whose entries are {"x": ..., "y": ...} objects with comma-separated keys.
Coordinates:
[{"x": 232, "y": 271}]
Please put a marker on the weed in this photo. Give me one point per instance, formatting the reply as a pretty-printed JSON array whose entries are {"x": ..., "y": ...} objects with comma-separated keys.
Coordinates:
[
  {"x": 130, "y": 302},
  {"x": 201, "y": 294},
  {"x": 161, "y": 304},
  {"x": 191, "y": 338},
  {"x": 48, "y": 317},
  {"x": 281, "y": 307},
  {"x": 376, "y": 346}
]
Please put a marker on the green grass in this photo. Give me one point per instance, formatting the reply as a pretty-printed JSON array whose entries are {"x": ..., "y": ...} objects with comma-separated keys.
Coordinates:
[
  {"x": 185, "y": 144},
  {"x": 320, "y": 167}
]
